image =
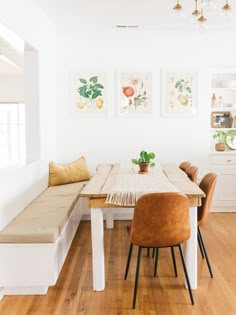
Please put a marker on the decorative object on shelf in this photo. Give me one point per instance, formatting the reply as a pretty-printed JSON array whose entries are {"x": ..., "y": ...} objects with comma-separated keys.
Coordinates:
[
  {"x": 219, "y": 136},
  {"x": 199, "y": 9},
  {"x": 221, "y": 103},
  {"x": 89, "y": 90},
  {"x": 231, "y": 141},
  {"x": 221, "y": 119},
  {"x": 223, "y": 138},
  {"x": 179, "y": 92},
  {"x": 213, "y": 100},
  {"x": 144, "y": 161},
  {"x": 134, "y": 92}
]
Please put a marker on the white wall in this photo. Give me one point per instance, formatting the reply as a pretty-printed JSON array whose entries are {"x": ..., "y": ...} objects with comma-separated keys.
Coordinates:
[
  {"x": 12, "y": 89},
  {"x": 110, "y": 138},
  {"x": 118, "y": 139},
  {"x": 19, "y": 186}
]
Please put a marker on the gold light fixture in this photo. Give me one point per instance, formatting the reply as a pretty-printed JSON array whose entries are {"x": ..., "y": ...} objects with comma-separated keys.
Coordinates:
[
  {"x": 198, "y": 13},
  {"x": 178, "y": 6},
  {"x": 226, "y": 10},
  {"x": 226, "y": 6},
  {"x": 202, "y": 18}
]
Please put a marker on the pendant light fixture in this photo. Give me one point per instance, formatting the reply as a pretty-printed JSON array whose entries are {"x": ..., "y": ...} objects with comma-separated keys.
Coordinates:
[
  {"x": 178, "y": 6},
  {"x": 226, "y": 10},
  {"x": 196, "y": 12},
  {"x": 199, "y": 9},
  {"x": 202, "y": 18}
]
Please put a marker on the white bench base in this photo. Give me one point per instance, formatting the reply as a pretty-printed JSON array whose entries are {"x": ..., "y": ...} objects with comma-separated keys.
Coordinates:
[
  {"x": 23, "y": 291},
  {"x": 31, "y": 268}
]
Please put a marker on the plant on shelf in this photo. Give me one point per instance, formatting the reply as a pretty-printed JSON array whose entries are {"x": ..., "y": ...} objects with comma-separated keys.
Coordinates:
[
  {"x": 220, "y": 137},
  {"x": 144, "y": 161}
]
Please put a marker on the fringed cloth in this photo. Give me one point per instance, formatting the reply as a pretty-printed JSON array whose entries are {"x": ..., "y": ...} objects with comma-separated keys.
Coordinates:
[{"x": 129, "y": 187}]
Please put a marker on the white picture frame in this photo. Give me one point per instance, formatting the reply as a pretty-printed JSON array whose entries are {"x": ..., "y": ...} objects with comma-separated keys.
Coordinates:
[{"x": 179, "y": 92}]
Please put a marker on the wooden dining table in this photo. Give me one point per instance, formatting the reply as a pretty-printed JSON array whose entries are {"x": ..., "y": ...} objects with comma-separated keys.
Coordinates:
[{"x": 97, "y": 190}]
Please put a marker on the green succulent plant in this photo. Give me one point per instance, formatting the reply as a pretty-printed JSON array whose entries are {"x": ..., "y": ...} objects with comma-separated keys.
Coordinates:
[{"x": 145, "y": 157}]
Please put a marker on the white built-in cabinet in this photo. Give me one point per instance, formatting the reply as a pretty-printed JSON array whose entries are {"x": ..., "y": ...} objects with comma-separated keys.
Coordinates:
[
  {"x": 223, "y": 123},
  {"x": 224, "y": 165}
]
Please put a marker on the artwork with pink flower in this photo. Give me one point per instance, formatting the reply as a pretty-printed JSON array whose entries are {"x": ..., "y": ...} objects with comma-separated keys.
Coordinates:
[{"x": 134, "y": 92}]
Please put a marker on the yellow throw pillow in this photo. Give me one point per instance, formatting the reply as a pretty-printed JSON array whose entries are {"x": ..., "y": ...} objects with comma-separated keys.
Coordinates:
[{"x": 71, "y": 173}]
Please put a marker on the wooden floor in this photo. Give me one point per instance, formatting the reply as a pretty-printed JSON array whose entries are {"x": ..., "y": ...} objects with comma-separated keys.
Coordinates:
[{"x": 164, "y": 295}]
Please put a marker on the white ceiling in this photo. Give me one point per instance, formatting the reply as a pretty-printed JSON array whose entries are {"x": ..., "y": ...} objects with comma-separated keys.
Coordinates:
[{"x": 72, "y": 16}]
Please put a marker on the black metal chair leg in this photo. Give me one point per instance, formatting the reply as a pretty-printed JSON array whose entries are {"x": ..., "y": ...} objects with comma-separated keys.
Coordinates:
[
  {"x": 153, "y": 252},
  {"x": 156, "y": 260},
  {"x": 128, "y": 260},
  {"x": 205, "y": 252},
  {"x": 137, "y": 276},
  {"x": 186, "y": 274},
  {"x": 148, "y": 252},
  {"x": 174, "y": 261},
  {"x": 200, "y": 245}
]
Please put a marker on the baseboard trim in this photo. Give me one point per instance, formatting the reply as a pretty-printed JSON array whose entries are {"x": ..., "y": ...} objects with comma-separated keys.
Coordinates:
[
  {"x": 32, "y": 290},
  {"x": 223, "y": 209}
]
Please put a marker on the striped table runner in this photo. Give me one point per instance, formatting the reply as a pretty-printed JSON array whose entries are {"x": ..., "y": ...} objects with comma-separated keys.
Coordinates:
[{"x": 129, "y": 187}]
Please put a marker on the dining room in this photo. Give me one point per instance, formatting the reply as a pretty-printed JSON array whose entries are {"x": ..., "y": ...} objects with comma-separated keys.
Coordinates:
[{"x": 113, "y": 84}]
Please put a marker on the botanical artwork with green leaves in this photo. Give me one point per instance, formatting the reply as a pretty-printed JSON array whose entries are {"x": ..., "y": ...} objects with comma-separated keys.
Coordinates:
[
  {"x": 180, "y": 92},
  {"x": 134, "y": 92},
  {"x": 90, "y": 93}
]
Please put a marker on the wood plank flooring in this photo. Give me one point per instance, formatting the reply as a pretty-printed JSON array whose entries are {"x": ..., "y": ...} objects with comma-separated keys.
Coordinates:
[{"x": 163, "y": 295}]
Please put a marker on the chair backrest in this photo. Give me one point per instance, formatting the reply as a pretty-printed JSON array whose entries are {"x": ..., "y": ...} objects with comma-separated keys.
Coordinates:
[
  {"x": 192, "y": 173},
  {"x": 184, "y": 165},
  {"x": 160, "y": 219},
  {"x": 207, "y": 185}
]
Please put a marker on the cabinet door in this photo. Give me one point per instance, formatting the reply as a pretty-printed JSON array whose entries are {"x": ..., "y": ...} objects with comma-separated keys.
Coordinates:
[{"x": 225, "y": 192}]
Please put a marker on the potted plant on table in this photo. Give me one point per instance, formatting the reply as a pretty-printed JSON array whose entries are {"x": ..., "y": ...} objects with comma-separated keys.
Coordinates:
[{"x": 144, "y": 161}]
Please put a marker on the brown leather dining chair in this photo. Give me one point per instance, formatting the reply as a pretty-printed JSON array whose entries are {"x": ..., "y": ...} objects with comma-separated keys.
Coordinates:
[
  {"x": 159, "y": 220},
  {"x": 192, "y": 173},
  {"x": 207, "y": 185},
  {"x": 184, "y": 165}
]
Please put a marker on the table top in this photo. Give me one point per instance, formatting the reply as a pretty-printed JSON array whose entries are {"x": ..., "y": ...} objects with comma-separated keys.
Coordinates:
[{"x": 103, "y": 180}]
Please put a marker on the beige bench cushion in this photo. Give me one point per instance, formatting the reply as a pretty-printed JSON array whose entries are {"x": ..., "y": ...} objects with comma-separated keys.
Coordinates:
[{"x": 43, "y": 220}]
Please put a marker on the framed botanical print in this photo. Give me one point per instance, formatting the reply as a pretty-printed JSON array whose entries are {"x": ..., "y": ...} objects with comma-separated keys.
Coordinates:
[
  {"x": 90, "y": 92},
  {"x": 134, "y": 93},
  {"x": 179, "y": 91}
]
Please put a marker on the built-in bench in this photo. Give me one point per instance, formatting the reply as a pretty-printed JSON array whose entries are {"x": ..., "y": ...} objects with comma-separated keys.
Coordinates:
[{"x": 33, "y": 247}]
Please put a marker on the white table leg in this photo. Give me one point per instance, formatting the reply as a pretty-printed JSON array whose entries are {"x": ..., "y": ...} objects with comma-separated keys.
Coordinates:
[
  {"x": 190, "y": 251},
  {"x": 98, "y": 263},
  {"x": 109, "y": 218}
]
